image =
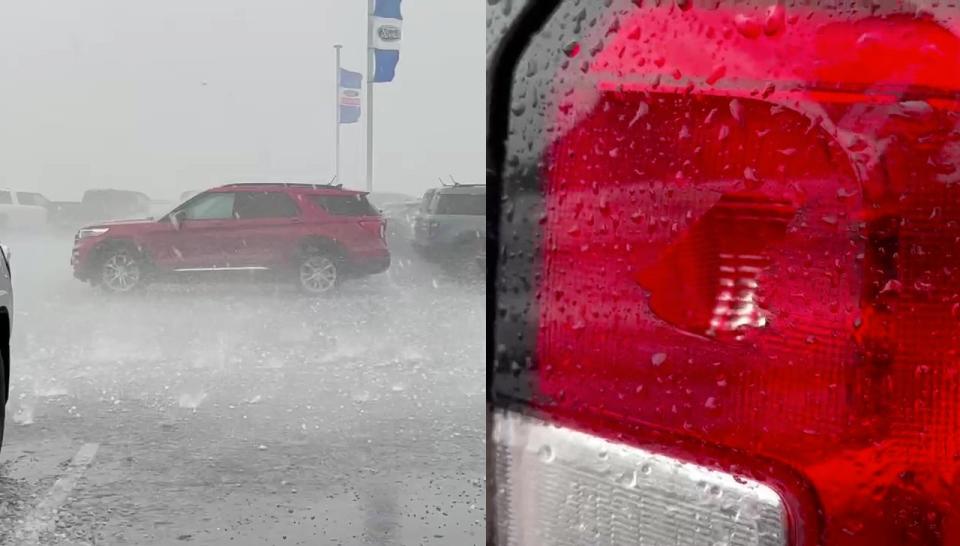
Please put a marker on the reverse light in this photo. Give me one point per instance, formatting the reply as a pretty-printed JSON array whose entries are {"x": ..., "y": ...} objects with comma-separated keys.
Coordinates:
[{"x": 560, "y": 486}]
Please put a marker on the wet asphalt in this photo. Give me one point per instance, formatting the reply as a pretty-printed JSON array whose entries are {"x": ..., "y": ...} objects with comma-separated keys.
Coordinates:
[{"x": 242, "y": 412}]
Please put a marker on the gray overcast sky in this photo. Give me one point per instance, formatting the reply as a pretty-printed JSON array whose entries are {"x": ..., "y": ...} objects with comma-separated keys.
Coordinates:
[{"x": 186, "y": 94}]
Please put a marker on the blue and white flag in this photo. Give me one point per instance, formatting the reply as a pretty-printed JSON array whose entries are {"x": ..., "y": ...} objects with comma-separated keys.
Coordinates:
[
  {"x": 349, "y": 96},
  {"x": 386, "y": 22}
]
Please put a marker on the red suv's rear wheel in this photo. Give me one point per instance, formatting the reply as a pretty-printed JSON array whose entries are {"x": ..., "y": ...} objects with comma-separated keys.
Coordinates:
[{"x": 318, "y": 273}]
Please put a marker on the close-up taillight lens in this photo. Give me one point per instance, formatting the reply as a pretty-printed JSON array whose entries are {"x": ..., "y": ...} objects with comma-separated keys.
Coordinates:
[{"x": 747, "y": 263}]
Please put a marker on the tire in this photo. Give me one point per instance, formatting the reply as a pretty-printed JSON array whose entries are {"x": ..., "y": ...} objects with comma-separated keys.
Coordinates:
[
  {"x": 4, "y": 395},
  {"x": 318, "y": 273},
  {"x": 122, "y": 270}
]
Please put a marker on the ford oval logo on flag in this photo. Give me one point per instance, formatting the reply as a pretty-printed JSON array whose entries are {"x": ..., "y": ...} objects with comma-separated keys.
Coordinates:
[
  {"x": 349, "y": 91},
  {"x": 389, "y": 33},
  {"x": 386, "y": 22}
]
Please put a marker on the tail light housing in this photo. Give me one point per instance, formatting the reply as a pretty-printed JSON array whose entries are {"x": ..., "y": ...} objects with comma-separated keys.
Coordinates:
[
  {"x": 376, "y": 227},
  {"x": 730, "y": 246}
]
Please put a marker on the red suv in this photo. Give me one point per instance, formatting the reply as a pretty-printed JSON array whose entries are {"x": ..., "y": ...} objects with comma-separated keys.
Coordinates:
[{"x": 317, "y": 234}]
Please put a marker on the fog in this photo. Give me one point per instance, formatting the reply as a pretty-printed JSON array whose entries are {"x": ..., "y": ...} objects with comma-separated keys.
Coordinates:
[{"x": 171, "y": 96}]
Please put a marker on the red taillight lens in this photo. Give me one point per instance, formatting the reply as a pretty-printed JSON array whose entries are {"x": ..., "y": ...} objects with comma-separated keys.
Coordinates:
[
  {"x": 764, "y": 283},
  {"x": 375, "y": 227},
  {"x": 757, "y": 295}
]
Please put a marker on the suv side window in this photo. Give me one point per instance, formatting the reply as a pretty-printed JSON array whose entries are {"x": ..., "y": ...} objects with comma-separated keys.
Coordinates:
[
  {"x": 261, "y": 204},
  {"x": 212, "y": 206},
  {"x": 5, "y": 198},
  {"x": 462, "y": 204},
  {"x": 345, "y": 205}
]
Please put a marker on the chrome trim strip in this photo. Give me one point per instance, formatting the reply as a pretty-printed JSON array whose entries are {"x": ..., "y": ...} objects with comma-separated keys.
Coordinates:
[{"x": 194, "y": 269}]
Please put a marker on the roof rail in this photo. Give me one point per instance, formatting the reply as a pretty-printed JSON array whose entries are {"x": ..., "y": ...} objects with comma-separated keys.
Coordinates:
[
  {"x": 453, "y": 182},
  {"x": 284, "y": 185},
  {"x": 459, "y": 185}
]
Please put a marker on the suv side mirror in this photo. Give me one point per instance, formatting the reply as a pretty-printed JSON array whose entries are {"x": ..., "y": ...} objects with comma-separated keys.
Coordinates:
[{"x": 177, "y": 219}]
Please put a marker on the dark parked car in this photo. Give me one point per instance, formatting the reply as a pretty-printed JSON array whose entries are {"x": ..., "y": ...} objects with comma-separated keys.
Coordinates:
[
  {"x": 98, "y": 206},
  {"x": 318, "y": 235},
  {"x": 726, "y": 304},
  {"x": 6, "y": 328},
  {"x": 450, "y": 227}
]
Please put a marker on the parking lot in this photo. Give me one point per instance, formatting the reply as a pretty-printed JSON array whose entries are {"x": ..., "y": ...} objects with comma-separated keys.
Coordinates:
[{"x": 242, "y": 412}]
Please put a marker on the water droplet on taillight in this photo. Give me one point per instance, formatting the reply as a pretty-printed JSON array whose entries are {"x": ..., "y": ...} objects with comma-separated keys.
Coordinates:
[
  {"x": 658, "y": 359},
  {"x": 736, "y": 110},
  {"x": 628, "y": 479},
  {"x": 776, "y": 20},
  {"x": 892, "y": 288},
  {"x": 844, "y": 193},
  {"x": 646, "y": 469},
  {"x": 546, "y": 454},
  {"x": 747, "y": 26},
  {"x": 572, "y": 49},
  {"x": 717, "y": 73}
]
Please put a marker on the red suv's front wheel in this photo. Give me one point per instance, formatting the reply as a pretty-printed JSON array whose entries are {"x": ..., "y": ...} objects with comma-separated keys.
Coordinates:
[{"x": 121, "y": 271}]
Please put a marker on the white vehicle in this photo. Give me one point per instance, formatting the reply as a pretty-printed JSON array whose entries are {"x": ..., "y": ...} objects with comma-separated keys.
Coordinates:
[{"x": 22, "y": 210}]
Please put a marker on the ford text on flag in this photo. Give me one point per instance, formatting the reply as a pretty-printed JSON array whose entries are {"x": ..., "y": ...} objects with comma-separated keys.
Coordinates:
[
  {"x": 386, "y": 22},
  {"x": 349, "y": 96}
]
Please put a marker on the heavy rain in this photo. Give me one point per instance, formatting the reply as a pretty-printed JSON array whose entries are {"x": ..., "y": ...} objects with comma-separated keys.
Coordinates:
[{"x": 274, "y": 355}]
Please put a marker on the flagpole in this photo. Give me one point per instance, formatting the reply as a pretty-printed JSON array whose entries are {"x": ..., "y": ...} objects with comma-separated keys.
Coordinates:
[
  {"x": 337, "y": 104},
  {"x": 370, "y": 7}
]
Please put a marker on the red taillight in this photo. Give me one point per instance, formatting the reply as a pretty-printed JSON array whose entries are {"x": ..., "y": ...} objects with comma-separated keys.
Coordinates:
[
  {"x": 376, "y": 227},
  {"x": 761, "y": 283}
]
